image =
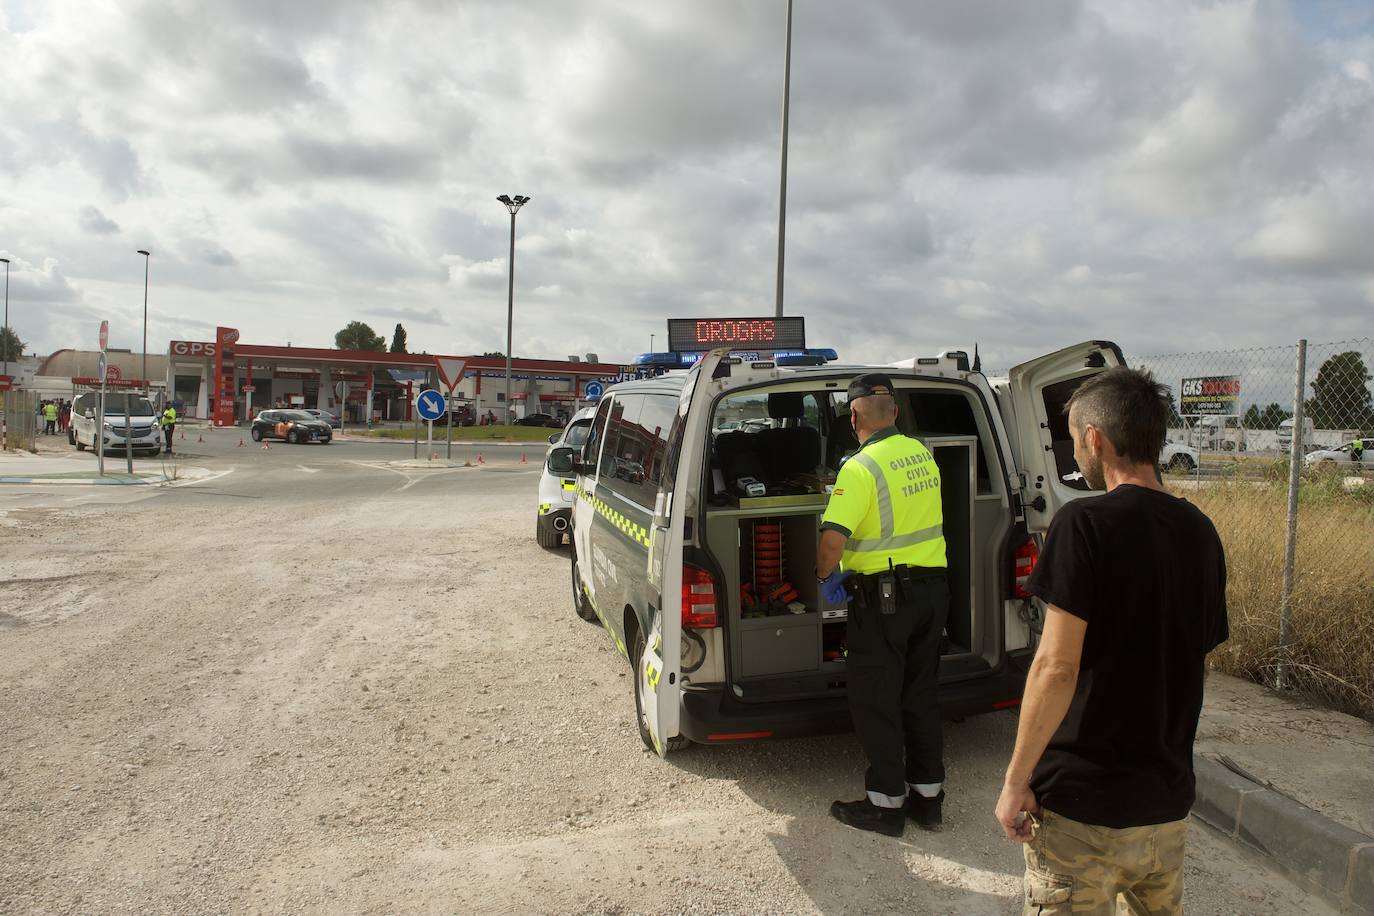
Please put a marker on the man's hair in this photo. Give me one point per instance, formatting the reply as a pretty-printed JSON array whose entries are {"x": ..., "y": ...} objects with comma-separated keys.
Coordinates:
[
  {"x": 875, "y": 408},
  {"x": 1129, "y": 407}
]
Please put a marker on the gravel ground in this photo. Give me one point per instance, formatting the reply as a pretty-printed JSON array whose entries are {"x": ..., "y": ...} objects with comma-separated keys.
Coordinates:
[{"x": 387, "y": 704}]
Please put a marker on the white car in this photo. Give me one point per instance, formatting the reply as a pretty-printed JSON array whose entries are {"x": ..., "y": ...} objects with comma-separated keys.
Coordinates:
[
  {"x": 556, "y": 490},
  {"x": 1176, "y": 457},
  {"x": 1341, "y": 458},
  {"x": 144, "y": 434}
]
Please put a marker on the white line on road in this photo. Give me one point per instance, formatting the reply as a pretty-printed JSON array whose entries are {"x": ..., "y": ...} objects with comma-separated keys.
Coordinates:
[{"x": 308, "y": 470}]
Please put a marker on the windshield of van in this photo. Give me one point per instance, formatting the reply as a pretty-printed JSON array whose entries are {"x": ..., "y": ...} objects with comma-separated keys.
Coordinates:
[{"x": 138, "y": 406}]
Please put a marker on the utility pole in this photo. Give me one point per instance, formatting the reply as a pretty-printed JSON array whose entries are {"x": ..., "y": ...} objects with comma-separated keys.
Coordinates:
[{"x": 146, "y": 390}]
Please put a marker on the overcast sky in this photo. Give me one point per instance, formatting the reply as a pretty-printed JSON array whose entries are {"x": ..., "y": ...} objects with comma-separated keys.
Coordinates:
[{"x": 1171, "y": 175}]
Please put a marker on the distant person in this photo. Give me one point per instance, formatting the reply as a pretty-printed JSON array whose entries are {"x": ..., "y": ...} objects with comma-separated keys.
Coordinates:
[
  {"x": 1101, "y": 779},
  {"x": 64, "y": 416},
  {"x": 169, "y": 426},
  {"x": 50, "y": 417},
  {"x": 1357, "y": 450}
]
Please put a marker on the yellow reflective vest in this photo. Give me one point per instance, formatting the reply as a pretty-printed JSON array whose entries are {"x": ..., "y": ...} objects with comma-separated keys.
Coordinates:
[
  {"x": 169, "y": 416},
  {"x": 50, "y": 412},
  {"x": 887, "y": 504}
]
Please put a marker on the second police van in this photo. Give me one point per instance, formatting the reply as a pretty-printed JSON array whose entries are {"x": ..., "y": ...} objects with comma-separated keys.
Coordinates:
[{"x": 696, "y": 511}]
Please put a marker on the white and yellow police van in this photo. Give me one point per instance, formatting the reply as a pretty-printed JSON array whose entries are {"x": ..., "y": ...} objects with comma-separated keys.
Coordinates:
[
  {"x": 699, "y": 496},
  {"x": 554, "y": 510}
]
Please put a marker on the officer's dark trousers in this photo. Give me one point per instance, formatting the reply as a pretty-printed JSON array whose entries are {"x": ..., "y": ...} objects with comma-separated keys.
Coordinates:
[
  {"x": 893, "y": 665},
  {"x": 167, "y": 433}
]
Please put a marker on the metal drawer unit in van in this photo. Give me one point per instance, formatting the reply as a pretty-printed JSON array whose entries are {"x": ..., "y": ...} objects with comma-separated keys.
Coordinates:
[{"x": 790, "y": 645}]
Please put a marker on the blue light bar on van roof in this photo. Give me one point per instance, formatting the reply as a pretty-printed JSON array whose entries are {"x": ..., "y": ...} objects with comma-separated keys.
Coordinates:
[{"x": 811, "y": 356}]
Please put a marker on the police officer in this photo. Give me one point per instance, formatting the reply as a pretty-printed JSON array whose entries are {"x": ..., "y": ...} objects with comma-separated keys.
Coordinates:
[
  {"x": 883, "y": 527},
  {"x": 1357, "y": 450},
  {"x": 50, "y": 417},
  {"x": 169, "y": 426}
]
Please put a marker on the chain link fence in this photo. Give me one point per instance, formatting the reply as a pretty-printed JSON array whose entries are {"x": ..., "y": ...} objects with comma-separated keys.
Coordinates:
[
  {"x": 19, "y": 411},
  {"x": 1276, "y": 445}
]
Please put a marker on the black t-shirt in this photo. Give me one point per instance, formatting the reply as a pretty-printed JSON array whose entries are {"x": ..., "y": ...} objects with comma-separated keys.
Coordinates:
[{"x": 1147, "y": 572}]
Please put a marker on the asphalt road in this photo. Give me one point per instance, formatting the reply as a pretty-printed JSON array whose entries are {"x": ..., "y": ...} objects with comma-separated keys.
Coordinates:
[{"x": 317, "y": 682}]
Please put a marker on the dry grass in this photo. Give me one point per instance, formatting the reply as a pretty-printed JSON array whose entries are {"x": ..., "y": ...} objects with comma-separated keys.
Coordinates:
[{"x": 1332, "y": 656}]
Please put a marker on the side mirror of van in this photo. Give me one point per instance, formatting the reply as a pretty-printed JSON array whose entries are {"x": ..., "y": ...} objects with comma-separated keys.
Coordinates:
[
  {"x": 553, "y": 438},
  {"x": 561, "y": 461}
]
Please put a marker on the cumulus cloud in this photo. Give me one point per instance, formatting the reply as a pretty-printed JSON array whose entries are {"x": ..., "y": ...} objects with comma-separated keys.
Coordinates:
[{"x": 1017, "y": 174}]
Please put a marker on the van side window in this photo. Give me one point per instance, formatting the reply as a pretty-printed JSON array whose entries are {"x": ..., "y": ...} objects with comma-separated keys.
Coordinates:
[
  {"x": 656, "y": 420},
  {"x": 592, "y": 446},
  {"x": 1066, "y": 466},
  {"x": 623, "y": 466}
]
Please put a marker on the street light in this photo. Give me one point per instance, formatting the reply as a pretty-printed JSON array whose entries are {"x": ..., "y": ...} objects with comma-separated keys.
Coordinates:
[
  {"x": 146, "y": 258},
  {"x": 513, "y": 204},
  {"x": 7, "y": 316},
  {"x": 782, "y": 181}
]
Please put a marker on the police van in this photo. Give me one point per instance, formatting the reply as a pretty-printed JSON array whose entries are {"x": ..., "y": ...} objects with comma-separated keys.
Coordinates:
[
  {"x": 556, "y": 490},
  {"x": 698, "y": 501}
]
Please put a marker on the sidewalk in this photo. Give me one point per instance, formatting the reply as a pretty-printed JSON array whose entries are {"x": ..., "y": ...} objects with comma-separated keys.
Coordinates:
[
  {"x": 1293, "y": 781},
  {"x": 64, "y": 468}
]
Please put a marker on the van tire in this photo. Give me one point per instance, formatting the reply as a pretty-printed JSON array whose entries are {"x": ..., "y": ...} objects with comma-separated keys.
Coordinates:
[
  {"x": 546, "y": 536},
  {"x": 80, "y": 446},
  {"x": 676, "y": 743},
  {"x": 580, "y": 602}
]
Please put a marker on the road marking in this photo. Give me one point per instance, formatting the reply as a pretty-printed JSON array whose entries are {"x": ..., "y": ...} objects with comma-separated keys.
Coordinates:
[
  {"x": 308, "y": 470},
  {"x": 195, "y": 480}
]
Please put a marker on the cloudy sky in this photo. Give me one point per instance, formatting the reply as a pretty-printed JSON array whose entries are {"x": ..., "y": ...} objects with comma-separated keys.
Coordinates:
[{"x": 1172, "y": 175}]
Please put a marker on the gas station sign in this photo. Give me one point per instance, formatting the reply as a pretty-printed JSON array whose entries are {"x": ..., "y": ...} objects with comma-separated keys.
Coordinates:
[{"x": 223, "y": 413}]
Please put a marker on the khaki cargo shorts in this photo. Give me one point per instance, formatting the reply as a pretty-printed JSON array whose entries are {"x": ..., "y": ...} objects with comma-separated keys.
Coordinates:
[{"x": 1081, "y": 868}]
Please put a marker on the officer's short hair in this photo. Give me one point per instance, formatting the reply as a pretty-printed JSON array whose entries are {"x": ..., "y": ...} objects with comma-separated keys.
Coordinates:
[{"x": 1129, "y": 407}]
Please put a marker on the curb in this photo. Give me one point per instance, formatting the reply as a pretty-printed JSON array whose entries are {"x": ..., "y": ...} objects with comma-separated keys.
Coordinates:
[
  {"x": 86, "y": 481},
  {"x": 1323, "y": 854}
]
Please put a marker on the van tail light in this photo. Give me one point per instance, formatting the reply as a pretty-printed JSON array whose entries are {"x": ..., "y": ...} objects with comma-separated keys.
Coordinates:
[
  {"x": 1026, "y": 557},
  {"x": 698, "y": 599}
]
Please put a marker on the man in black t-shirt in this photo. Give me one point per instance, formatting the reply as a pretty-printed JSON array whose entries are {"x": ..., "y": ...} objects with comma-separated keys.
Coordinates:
[{"x": 1101, "y": 780}]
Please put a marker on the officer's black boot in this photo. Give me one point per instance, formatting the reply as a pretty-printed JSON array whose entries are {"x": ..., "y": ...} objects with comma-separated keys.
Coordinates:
[
  {"x": 928, "y": 813},
  {"x": 864, "y": 815}
]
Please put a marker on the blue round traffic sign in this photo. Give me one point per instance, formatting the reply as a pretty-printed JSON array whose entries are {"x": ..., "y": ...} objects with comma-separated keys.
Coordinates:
[
  {"x": 429, "y": 404},
  {"x": 594, "y": 390}
]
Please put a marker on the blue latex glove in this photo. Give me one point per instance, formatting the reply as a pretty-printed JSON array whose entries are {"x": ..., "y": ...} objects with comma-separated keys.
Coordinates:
[{"x": 832, "y": 587}]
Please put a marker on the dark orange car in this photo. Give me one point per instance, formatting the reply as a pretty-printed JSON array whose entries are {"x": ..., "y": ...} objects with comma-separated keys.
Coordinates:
[{"x": 291, "y": 426}]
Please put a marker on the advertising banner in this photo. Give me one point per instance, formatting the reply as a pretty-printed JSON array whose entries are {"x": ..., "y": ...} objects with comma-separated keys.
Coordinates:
[{"x": 1210, "y": 394}]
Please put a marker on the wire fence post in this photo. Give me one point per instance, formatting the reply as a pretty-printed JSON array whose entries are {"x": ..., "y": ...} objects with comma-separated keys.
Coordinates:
[{"x": 1290, "y": 547}]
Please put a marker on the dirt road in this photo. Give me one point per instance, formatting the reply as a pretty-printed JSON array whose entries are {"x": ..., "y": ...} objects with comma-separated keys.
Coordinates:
[{"x": 340, "y": 688}]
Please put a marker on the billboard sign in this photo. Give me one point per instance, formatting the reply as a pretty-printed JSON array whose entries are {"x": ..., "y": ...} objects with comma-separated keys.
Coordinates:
[
  {"x": 697, "y": 334},
  {"x": 192, "y": 348},
  {"x": 1210, "y": 394}
]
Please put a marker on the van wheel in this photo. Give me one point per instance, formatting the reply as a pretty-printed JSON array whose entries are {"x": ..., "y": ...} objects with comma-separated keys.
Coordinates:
[
  {"x": 580, "y": 602},
  {"x": 546, "y": 536},
  {"x": 676, "y": 743},
  {"x": 80, "y": 446}
]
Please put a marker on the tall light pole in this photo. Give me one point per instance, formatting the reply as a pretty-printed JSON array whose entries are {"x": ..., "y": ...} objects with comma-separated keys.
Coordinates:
[
  {"x": 146, "y": 259},
  {"x": 7, "y": 316},
  {"x": 651, "y": 343},
  {"x": 782, "y": 182},
  {"x": 513, "y": 204}
]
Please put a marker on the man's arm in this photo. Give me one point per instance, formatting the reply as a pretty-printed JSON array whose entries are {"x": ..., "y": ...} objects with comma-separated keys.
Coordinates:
[
  {"x": 1049, "y": 690},
  {"x": 829, "y": 551}
]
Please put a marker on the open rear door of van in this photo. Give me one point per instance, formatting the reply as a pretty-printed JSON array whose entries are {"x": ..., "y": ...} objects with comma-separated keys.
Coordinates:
[
  {"x": 1032, "y": 404},
  {"x": 659, "y": 669}
]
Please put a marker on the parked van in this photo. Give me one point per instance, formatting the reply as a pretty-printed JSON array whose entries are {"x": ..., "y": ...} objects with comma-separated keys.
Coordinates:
[
  {"x": 685, "y": 527},
  {"x": 144, "y": 430}
]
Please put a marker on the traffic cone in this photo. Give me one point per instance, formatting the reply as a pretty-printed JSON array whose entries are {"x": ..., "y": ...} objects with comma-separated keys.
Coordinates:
[
  {"x": 265, "y": 446},
  {"x": 523, "y": 459},
  {"x": 200, "y": 437},
  {"x": 480, "y": 459},
  {"x": 240, "y": 442},
  {"x": 183, "y": 435}
]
